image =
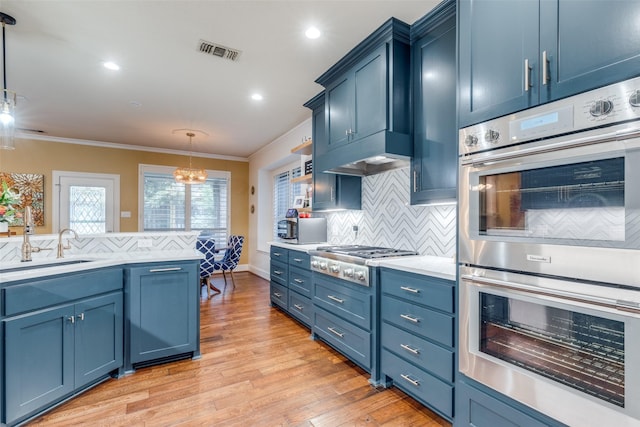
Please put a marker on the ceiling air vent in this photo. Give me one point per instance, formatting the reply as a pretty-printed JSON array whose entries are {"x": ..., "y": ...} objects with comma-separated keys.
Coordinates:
[{"x": 218, "y": 50}]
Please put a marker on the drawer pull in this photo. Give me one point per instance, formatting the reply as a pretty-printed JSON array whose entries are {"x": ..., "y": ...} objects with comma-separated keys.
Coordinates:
[
  {"x": 277, "y": 272},
  {"x": 336, "y": 299},
  {"x": 72, "y": 319},
  {"x": 81, "y": 316},
  {"x": 341, "y": 335},
  {"x": 410, "y": 349},
  {"x": 161, "y": 270},
  {"x": 299, "y": 307},
  {"x": 297, "y": 260},
  {"x": 408, "y": 289},
  {"x": 277, "y": 254},
  {"x": 410, "y": 318},
  {"x": 277, "y": 295},
  {"x": 410, "y": 380},
  {"x": 298, "y": 281}
]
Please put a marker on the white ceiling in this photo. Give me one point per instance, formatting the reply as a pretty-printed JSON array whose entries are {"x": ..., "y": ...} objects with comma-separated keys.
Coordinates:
[{"x": 56, "y": 49}]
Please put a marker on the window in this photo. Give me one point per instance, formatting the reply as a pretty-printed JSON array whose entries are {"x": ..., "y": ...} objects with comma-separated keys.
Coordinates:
[
  {"x": 169, "y": 206},
  {"x": 283, "y": 193}
]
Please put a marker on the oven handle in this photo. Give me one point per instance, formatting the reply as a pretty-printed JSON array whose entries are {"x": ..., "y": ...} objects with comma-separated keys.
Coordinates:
[
  {"x": 628, "y": 306},
  {"x": 557, "y": 146}
]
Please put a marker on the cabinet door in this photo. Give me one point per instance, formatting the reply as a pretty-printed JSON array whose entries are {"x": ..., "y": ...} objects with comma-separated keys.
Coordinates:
[
  {"x": 338, "y": 110},
  {"x": 589, "y": 43},
  {"x": 435, "y": 161},
  {"x": 98, "y": 339},
  {"x": 38, "y": 360},
  {"x": 162, "y": 311},
  {"x": 370, "y": 95},
  {"x": 496, "y": 38}
]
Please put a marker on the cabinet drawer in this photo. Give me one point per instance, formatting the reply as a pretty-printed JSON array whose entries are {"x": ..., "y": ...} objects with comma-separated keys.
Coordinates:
[
  {"x": 300, "y": 280},
  {"x": 344, "y": 301},
  {"x": 279, "y": 294},
  {"x": 48, "y": 292},
  {"x": 279, "y": 253},
  {"x": 299, "y": 259},
  {"x": 427, "y": 323},
  {"x": 279, "y": 272},
  {"x": 429, "y": 291},
  {"x": 350, "y": 340},
  {"x": 301, "y": 307},
  {"x": 425, "y": 387},
  {"x": 418, "y": 351}
]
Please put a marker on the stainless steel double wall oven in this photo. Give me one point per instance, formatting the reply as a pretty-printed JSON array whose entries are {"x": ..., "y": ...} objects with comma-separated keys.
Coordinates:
[{"x": 549, "y": 253}]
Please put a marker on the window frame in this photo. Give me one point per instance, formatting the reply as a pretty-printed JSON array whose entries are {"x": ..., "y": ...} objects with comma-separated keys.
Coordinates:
[
  {"x": 293, "y": 170},
  {"x": 168, "y": 170}
]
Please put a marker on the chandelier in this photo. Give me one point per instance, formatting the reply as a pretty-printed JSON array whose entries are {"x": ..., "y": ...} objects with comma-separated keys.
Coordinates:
[
  {"x": 8, "y": 100},
  {"x": 190, "y": 175}
]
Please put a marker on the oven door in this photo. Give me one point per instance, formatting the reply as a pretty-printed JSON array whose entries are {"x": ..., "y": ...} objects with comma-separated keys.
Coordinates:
[
  {"x": 555, "y": 207},
  {"x": 543, "y": 341}
]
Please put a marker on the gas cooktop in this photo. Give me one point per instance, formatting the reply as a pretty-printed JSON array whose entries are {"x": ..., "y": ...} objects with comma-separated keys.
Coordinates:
[{"x": 366, "y": 252}]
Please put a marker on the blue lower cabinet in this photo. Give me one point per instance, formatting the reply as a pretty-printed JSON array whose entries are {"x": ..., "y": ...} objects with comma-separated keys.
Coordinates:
[
  {"x": 478, "y": 406},
  {"x": 300, "y": 307},
  {"x": 52, "y": 353},
  {"x": 426, "y": 388},
  {"x": 279, "y": 295},
  {"x": 163, "y": 311},
  {"x": 350, "y": 340}
]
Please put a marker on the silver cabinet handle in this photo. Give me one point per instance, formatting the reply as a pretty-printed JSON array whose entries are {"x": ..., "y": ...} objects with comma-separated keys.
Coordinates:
[
  {"x": 277, "y": 272},
  {"x": 298, "y": 306},
  {"x": 277, "y": 254},
  {"x": 408, "y": 289},
  {"x": 410, "y": 349},
  {"x": 335, "y": 332},
  {"x": 72, "y": 319},
  {"x": 160, "y": 270},
  {"x": 298, "y": 281},
  {"x": 410, "y": 318},
  {"x": 336, "y": 299},
  {"x": 411, "y": 381},
  {"x": 527, "y": 71},
  {"x": 81, "y": 316},
  {"x": 297, "y": 260},
  {"x": 277, "y": 295},
  {"x": 415, "y": 181},
  {"x": 331, "y": 188},
  {"x": 545, "y": 67}
]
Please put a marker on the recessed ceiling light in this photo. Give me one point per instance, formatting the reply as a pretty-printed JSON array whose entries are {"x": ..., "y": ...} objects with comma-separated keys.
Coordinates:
[
  {"x": 111, "y": 66},
  {"x": 312, "y": 33},
  {"x": 256, "y": 97}
]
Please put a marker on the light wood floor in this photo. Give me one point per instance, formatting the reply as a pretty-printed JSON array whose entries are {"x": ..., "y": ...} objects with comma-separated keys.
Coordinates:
[{"x": 258, "y": 368}]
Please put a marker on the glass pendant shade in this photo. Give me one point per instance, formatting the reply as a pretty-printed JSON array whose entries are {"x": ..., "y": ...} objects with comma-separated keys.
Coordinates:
[
  {"x": 190, "y": 175},
  {"x": 7, "y": 120}
]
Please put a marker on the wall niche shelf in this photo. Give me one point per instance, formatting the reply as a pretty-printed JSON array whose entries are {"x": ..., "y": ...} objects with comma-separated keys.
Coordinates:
[
  {"x": 304, "y": 178},
  {"x": 305, "y": 148}
]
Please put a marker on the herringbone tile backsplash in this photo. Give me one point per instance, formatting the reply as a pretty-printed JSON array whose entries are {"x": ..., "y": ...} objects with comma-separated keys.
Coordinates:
[{"x": 387, "y": 219}]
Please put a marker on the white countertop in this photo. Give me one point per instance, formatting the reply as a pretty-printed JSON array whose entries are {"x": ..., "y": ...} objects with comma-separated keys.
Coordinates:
[
  {"x": 51, "y": 267},
  {"x": 294, "y": 246},
  {"x": 442, "y": 267}
]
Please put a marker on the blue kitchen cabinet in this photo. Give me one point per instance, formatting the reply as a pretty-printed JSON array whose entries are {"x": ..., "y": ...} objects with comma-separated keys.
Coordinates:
[
  {"x": 434, "y": 164},
  {"x": 515, "y": 55},
  {"x": 163, "y": 313},
  {"x": 367, "y": 93},
  {"x": 291, "y": 283},
  {"x": 479, "y": 406},
  {"x": 417, "y": 338},
  {"x": 52, "y": 351},
  {"x": 330, "y": 191}
]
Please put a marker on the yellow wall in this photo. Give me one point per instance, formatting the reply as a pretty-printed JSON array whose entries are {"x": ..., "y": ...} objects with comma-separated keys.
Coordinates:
[{"x": 42, "y": 157}]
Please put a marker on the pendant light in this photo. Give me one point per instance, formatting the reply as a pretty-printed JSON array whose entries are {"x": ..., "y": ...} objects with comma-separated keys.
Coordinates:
[
  {"x": 8, "y": 100},
  {"x": 190, "y": 175}
]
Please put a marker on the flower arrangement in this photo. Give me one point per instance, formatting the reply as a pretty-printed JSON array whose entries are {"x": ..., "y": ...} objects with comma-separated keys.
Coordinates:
[{"x": 8, "y": 198}]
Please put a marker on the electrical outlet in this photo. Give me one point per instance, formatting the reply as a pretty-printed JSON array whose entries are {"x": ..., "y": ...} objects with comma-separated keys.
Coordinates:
[
  {"x": 355, "y": 228},
  {"x": 145, "y": 243}
]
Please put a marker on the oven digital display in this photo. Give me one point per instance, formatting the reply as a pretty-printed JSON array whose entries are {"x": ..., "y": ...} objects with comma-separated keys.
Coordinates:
[{"x": 538, "y": 121}]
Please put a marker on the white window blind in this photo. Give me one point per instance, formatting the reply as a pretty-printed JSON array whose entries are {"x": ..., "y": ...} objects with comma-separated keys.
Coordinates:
[
  {"x": 170, "y": 206},
  {"x": 283, "y": 194}
]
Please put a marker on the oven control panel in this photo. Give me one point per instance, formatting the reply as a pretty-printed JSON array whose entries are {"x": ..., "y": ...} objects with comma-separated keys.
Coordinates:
[{"x": 341, "y": 270}]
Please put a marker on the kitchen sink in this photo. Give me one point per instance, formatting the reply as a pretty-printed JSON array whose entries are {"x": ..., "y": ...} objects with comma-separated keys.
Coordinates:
[{"x": 54, "y": 263}]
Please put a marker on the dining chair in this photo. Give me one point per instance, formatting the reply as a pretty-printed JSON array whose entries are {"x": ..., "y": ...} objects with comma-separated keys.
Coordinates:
[
  {"x": 207, "y": 246},
  {"x": 231, "y": 258}
]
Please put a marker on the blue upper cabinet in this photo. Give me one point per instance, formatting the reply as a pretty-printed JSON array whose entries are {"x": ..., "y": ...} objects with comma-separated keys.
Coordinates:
[
  {"x": 514, "y": 55},
  {"x": 433, "y": 65},
  {"x": 367, "y": 102}
]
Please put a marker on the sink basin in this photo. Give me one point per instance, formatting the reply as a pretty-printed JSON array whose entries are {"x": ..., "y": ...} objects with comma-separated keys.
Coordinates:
[{"x": 31, "y": 266}]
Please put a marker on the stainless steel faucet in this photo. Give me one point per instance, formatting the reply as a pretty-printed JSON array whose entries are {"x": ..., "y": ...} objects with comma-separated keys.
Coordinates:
[
  {"x": 61, "y": 247},
  {"x": 29, "y": 229}
]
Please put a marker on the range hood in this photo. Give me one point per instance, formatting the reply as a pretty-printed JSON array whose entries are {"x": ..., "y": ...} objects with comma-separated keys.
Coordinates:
[{"x": 374, "y": 154}]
